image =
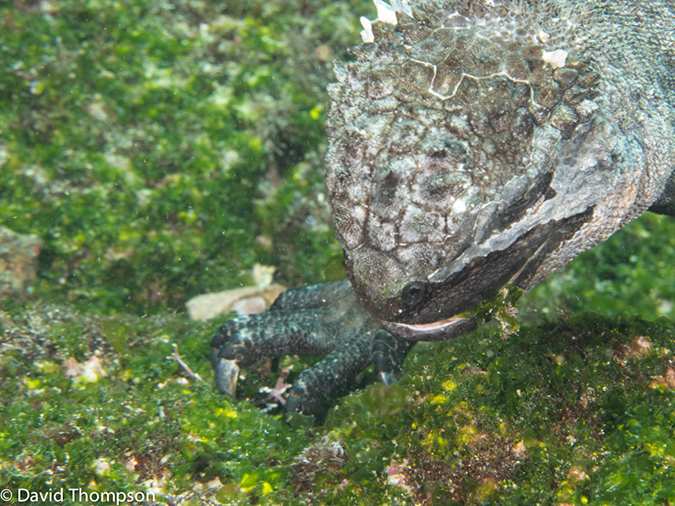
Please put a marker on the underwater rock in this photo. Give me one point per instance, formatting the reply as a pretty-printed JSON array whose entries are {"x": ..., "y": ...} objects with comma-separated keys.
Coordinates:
[{"x": 18, "y": 262}]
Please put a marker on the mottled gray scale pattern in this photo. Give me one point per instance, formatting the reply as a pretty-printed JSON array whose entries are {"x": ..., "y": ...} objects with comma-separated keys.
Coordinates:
[
  {"x": 484, "y": 100},
  {"x": 440, "y": 177}
]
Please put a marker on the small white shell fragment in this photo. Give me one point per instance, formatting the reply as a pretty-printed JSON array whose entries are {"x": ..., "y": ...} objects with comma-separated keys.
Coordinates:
[
  {"x": 367, "y": 32},
  {"x": 543, "y": 36},
  {"x": 555, "y": 58},
  {"x": 385, "y": 12}
]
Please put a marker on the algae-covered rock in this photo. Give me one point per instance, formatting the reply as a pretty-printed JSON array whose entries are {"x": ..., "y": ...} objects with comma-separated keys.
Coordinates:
[
  {"x": 18, "y": 262},
  {"x": 579, "y": 410},
  {"x": 576, "y": 411},
  {"x": 161, "y": 150},
  {"x": 118, "y": 404},
  {"x": 164, "y": 158}
]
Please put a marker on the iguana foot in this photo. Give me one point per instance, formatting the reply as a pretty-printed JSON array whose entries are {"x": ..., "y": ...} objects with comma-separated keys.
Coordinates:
[{"x": 315, "y": 320}]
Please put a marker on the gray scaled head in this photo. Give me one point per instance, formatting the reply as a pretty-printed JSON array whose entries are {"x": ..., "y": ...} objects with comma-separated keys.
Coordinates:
[{"x": 480, "y": 143}]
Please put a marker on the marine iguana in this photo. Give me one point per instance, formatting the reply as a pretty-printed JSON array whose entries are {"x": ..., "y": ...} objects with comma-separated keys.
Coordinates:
[{"x": 474, "y": 145}]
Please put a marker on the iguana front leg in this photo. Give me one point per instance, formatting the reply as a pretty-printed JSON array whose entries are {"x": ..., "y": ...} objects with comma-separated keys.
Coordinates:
[{"x": 314, "y": 320}]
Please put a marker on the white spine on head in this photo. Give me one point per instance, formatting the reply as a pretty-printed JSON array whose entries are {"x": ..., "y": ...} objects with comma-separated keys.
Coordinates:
[
  {"x": 367, "y": 32},
  {"x": 555, "y": 58},
  {"x": 402, "y": 6},
  {"x": 385, "y": 12}
]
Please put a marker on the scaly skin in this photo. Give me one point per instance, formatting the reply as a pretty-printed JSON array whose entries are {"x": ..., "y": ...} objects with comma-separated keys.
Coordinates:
[
  {"x": 474, "y": 144},
  {"x": 322, "y": 319}
]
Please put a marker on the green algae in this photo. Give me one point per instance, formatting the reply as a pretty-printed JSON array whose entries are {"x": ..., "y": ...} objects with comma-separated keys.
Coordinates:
[
  {"x": 501, "y": 308},
  {"x": 631, "y": 272},
  {"x": 143, "y": 423},
  {"x": 576, "y": 411},
  {"x": 159, "y": 151}
]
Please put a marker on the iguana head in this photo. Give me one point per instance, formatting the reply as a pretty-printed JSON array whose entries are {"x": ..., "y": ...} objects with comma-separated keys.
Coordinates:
[{"x": 471, "y": 146}]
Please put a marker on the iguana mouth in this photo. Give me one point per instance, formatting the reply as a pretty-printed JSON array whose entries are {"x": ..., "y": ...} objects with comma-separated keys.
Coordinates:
[
  {"x": 431, "y": 327},
  {"x": 440, "y": 330},
  {"x": 434, "y": 314}
]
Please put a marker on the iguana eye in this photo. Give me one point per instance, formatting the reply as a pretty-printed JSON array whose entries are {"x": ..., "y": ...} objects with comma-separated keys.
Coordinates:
[{"x": 413, "y": 294}]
